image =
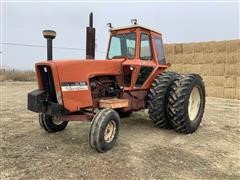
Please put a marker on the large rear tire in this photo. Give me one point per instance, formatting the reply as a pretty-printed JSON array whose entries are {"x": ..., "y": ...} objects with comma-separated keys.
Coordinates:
[
  {"x": 186, "y": 103},
  {"x": 158, "y": 97}
]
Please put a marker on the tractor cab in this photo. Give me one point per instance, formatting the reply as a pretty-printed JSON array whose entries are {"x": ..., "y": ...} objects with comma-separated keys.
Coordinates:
[{"x": 142, "y": 49}]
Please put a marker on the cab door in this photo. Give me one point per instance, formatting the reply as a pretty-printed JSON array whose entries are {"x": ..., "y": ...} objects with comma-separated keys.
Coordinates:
[{"x": 147, "y": 64}]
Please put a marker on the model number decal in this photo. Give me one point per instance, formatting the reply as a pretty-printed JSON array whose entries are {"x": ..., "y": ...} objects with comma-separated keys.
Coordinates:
[{"x": 74, "y": 86}]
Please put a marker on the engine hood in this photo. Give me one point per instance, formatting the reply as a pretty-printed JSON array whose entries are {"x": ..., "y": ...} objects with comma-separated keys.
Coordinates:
[
  {"x": 70, "y": 71},
  {"x": 78, "y": 70},
  {"x": 71, "y": 79}
]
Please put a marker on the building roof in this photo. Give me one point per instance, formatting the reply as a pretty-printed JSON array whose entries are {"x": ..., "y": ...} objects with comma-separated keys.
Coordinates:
[{"x": 134, "y": 26}]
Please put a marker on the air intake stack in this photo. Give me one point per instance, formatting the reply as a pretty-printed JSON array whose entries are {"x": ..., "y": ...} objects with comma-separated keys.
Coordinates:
[
  {"x": 90, "y": 39},
  {"x": 49, "y": 35}
]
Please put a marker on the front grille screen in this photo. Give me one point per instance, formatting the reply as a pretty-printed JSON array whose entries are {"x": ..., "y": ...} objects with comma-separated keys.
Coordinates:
[{"x": 48, "y": 83}]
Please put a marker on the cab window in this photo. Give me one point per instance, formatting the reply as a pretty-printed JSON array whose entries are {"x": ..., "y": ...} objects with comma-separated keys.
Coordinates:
[
  {"x": 145, "y": 48},
  {"x": 122, "y": 45},
  {"x": 159, "y": 48}
]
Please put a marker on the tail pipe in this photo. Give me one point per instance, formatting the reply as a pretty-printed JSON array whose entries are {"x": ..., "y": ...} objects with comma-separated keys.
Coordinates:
[
  {"x": 49, "y": 35},
  {"x": 90, "y": 40}
]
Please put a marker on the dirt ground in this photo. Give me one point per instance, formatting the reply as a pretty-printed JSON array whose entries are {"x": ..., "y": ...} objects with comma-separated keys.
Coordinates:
[{"x": 142, "y": 151}]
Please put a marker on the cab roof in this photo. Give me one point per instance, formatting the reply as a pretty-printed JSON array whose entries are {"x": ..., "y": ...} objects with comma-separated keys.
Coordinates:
[{"x": 134, "y": 26}]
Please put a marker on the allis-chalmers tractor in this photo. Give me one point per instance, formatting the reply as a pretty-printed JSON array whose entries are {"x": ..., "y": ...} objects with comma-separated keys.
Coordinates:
[{"x": 133, "y": 77}]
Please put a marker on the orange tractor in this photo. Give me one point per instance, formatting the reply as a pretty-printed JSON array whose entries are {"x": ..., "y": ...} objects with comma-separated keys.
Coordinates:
[{"x": 133, "y": 77}]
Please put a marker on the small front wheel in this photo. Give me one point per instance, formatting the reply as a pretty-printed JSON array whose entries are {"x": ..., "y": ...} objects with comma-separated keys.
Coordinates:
[
  {"x": 104, "y": 130},
  {"x": 52, "y": 123}
]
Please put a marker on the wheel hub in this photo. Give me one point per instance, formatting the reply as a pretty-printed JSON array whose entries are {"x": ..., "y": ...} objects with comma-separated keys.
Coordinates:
[
  {"x": 110, "y": 131},
  {"x": 57, "y": 120},
  {"x": 194, "y": 103}
]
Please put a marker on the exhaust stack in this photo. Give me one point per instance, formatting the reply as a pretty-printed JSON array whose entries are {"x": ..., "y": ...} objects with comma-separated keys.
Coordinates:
[
  {"x": 90, "y": 39},
  {"x": 49, "y": 35}
]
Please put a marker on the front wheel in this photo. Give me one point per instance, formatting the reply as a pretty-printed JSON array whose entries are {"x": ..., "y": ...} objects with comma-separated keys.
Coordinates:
[
  {"x": 104, "y": 130},
  {"x": 52, "y": 123}
]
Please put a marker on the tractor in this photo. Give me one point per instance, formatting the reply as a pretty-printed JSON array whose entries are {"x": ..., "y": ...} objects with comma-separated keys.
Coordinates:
[{"x": 133, "y": 77}]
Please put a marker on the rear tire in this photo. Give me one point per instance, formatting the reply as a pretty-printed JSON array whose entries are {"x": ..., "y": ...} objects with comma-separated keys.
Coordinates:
[
  {"x": 51, "y": 123},
  {"x": 104, "y": 130},
  {"x": 186, "y": 103},
  {"x": 158, "y": 97}
]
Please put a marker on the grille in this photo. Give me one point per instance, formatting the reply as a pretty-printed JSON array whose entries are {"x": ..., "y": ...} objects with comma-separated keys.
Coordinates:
[{"x": 48, "y": 83}]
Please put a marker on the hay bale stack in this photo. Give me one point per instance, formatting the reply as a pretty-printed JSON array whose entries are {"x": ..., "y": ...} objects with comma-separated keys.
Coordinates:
[{"x": 217, "y": 62}]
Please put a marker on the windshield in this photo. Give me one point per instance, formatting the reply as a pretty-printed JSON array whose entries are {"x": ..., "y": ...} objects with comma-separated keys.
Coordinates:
[{"x": 122, "y": 45}]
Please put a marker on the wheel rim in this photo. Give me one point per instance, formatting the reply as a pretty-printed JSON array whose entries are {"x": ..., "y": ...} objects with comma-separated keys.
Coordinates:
[
  {"x": 194, "y": 103},
  {"x": 57, "y": 120},
  {"x": 110, "y": 131}
]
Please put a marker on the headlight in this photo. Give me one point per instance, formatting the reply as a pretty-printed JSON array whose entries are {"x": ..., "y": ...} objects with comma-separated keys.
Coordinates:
[{"x": 59, "y": 98}]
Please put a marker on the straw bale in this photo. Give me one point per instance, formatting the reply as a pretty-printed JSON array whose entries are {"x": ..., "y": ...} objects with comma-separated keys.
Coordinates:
[
  {"x": 215, "y": 91},
  {"x": 198, "y": 58},
  {"x": 187, "y": 58},
  {"x": 188, "y": 48},
  {"x": 169, "y": 48},
  {"x": 220, "y": 57},
  {"x": 219, "y": 80},
  {"x": 233, "y": 45},
  {"x": 208, "y": 47},
  {"x": 193, "y": 68},
  {"x": 170, "y": 58},
  {"x": 209, "y": 81},
  {"x": 219, "y": 92},
  {"x": 238, "y": 93},
  {"x": 209, "y": 90},
  {"x": 177, "y": 68},
  {"x": 219, "y": 69},
  {"x": 233, "y": 58},
  {"x": 178, "y": 58},
  {"x": 165, "y": 47},
  {"x": 238, "y": 81},
  {"x": 187, "y": 68},
  {"x": 208, "y": 58},
  {"x": 178, "y": 48},
  {"x": 208, "y": 69},
  {"x": 198, "y": 47},
  {"x": 198, "y": 68},
  {"x": 231, "y": 69},
  {"x": 219, "y": 47},
  {"x": 230, "y": 93},
  {"x": 238, "y": 69},
  {"x": 230, "y": 82},
  {"x": 238, "y": 88}
]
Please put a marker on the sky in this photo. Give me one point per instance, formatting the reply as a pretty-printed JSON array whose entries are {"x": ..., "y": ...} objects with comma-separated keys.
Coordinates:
[{"x": 179, "y": 22}]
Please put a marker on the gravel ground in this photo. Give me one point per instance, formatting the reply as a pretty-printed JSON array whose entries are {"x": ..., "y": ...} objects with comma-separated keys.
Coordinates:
[{"x": 142, "y": 151}]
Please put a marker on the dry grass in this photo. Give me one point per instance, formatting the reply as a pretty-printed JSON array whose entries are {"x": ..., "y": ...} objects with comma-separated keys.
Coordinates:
[{"x": 16, "y": 75}]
